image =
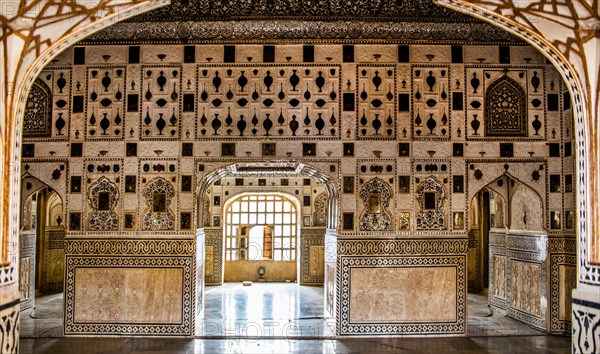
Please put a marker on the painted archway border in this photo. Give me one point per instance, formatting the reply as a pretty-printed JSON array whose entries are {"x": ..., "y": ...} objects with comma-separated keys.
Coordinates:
[
  {"x": 511, "y": 18},
  {"x": 41, "y": 37}
]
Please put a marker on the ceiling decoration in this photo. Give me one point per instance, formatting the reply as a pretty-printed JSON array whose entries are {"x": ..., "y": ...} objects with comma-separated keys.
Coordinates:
[
  {"x": 409, "y": 10},
  {"x": 244, "y": 20}
]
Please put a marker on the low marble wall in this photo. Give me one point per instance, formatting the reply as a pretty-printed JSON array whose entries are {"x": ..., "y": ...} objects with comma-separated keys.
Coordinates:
[
  {"x": 531, "y": 276},
  {"x": 134, "y": 287},
  {"x": 238, "y": 271},
  {"x": 402, "y": 287}
]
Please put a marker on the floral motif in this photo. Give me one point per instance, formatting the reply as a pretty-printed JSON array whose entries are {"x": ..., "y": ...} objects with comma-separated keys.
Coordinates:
[
  {"x": 103, "y": 217},
  {"x": 372, "y": 220},
  {"x": 158, "y": 218}
]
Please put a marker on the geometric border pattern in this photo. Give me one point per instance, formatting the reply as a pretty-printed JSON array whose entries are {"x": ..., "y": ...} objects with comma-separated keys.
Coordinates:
[
  {"x": 215, "y": 238},
  {"x": 402, "y": 247},
  {"x": 345, "y": 265},
  {"x": 129, "y": 247},
  {"x": 186, "y": 326}
]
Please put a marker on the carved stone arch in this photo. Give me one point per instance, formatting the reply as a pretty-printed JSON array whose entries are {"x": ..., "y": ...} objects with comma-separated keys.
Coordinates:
[
  {"x": 320, "y": 211},
  {"x": 505, "y": 108},
  {"x": 375, "y": 195},
  {"x": 281, "y": 169},
  {"x": 37, "y": 120}
]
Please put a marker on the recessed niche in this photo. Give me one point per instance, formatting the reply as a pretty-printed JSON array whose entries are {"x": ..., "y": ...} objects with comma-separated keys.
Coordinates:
[
  {"x": 309, "y": 149},
  {"x": 186, "y": 183},
  {"x": 348, "y": 221},
  {"x": 74, "y": 221},
  {"x": 159, "y": 202},
  {"x": 130, "y": 184},
  {"x": 75, "y": 184},
  {"x": 403, "y": 184}
]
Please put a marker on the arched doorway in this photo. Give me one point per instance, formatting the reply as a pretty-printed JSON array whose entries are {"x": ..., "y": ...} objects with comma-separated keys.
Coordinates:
[
  {"x": 512, "y": 251},
  {"x": 259, "y": 229},
  {"x": 42, "y": 253}
]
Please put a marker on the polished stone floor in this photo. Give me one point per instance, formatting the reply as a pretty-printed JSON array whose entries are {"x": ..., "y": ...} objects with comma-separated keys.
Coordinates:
[
  {"x": 512, "y": 345},
  {"x": 265, "y": 310},
  {"x": 298, "y": 313}
]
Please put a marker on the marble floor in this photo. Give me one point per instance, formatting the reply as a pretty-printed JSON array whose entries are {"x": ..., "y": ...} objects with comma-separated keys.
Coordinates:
[
  {"x": 263, "y": 315},
  {"x": 265, "y": 310},
  {"x": 124, "y": 345},
  {"x": 270, "y": 310}
]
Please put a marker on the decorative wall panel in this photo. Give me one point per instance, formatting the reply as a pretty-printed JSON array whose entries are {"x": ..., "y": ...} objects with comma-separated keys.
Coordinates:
[
  {"x": 27, "y": 270},
  {"x": 268, "y": 101},
  {"x": 505, "y": 109},
  {"x": 312, "y": 256},
  {"x": 376, "y": 108},
  {"x": 140, "y": 320},
  {"x": 431, "y": 103},
  {"x": 320, "y": 213},
  {"x": 214, "y": 264},
  {"x": 160, "y": 97},
  {"x": 431, "y": 196},
  {"x": 450, "y": 322},
  {"x": 105, "y": 102}
]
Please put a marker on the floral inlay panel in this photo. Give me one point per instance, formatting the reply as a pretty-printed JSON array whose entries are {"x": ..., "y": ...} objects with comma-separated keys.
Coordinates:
[
  {"x": 430, "y": 199},
  {"x": 37, "y": 121},
  {"x": 375, "y": 196},
  {"x": 103, "y": 197},
  {"x": 506, "y": 109},
  {"x": 158, "y": 215}
]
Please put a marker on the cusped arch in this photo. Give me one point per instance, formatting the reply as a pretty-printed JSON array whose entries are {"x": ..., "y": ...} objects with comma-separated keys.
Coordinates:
[{"x": 274, "y": 168}]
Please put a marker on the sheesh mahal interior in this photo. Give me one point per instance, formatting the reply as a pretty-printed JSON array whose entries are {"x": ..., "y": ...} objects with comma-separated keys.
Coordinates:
[{"x": 310, "y": 169}]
